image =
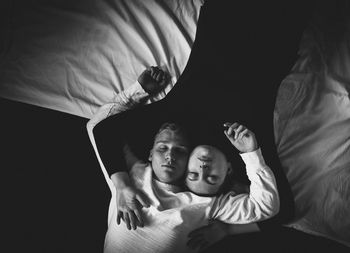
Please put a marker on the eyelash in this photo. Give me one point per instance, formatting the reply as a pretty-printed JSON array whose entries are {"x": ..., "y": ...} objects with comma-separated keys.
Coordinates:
[
  {"x": 213, "y": 178},
  {"x": 195, "y": 174},
  {"x": 179, "y": 151}
]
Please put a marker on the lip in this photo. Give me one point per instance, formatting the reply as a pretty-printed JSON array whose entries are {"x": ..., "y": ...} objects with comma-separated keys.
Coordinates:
[
  {"x": 205, "y": 158},
  {"x": 168, "y": 166}
]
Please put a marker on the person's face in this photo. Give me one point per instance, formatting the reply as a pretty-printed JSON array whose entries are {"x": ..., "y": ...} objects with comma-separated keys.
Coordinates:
[
  {"x": 207, "y": 170},
  {"x": 169, "y": 156}
]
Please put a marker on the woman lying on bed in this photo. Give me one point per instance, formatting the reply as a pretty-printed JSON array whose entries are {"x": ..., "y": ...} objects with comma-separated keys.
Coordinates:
[{"x": 216, "y": 168}]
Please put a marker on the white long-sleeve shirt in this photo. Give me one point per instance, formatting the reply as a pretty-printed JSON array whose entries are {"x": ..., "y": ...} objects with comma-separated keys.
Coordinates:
[
  {"x": 125, "y": 100},
  {"x": 173, "y": 214}
]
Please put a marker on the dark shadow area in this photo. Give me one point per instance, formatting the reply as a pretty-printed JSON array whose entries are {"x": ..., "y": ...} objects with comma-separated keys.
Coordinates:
[{"x": 56, "y": 199}]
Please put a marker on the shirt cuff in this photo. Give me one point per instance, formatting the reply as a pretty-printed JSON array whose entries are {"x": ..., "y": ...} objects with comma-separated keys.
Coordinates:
[
  {"x": 135, "y": 89},
  {"x": 254, "y": 159},
  {"x": 133, "y": 94}
]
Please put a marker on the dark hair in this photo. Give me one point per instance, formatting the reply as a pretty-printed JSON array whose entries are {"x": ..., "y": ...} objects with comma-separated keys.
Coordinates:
[{"x": 212, "y": 133}]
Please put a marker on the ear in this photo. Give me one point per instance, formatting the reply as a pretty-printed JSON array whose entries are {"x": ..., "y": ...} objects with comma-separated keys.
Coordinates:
[
  {"x": 229, "y": 168},
  {"x": 150, "y": 155}
]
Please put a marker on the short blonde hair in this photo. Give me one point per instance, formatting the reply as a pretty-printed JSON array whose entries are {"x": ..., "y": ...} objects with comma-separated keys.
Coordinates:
[{"x": 176, "y": 128}]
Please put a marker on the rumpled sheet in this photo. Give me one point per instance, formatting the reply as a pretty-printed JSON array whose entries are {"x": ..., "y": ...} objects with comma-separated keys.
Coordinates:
[
  {"x": 312, "y": 130},
  {"x": 74, "y": 56}
]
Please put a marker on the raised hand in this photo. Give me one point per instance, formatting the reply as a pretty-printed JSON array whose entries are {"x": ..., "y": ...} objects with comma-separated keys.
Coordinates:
[
  {"x": 241, "y": 137},
  {"x": 153, "y": 79}
]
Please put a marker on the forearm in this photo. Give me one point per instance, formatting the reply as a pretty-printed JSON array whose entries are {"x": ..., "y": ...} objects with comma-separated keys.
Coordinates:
[
  {"x": 105, "y": 146},
  {"x": 109, "y": 144},
  {"x": 128, "y": 99},
  {"x": 263, "y": 188},
  {"x": 103, "y": 137},
  {"x": 260, "y": 204},
  {"x": 120, "y": 179},
  {"x": 236, "y": 229}
]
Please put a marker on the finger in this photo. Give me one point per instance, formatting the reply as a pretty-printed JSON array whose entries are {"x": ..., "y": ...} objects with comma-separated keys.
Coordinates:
[
  {"x": 166, "y": 76},
  {"x": 243, "y": 133},
  {"x": 227, "y": 135},
  {"x": 162, "y": 77},
  {"x": 232, "y": 128},
  {"x": 198, "y": 231},
  {"x": 142, "y": 199},
  {"x": 138, "y": 217},
  {"x": 229, "y": 131},
  {"x": 237, "y": 131},
  {"x": 133, "y": 220},
  {"x": 152, "y": 69},
  {"x": 119, "y": 216},
  {"x": 240, "y": 129},
  {"x": 163, "y": 82},
  {"x": 157, "y": 71},
  {"x": 234, "y": 125},
  {"x": 159, "y": 76},
  {"x": 154, "y": 74},
  {"x": 127, "y": 220}
]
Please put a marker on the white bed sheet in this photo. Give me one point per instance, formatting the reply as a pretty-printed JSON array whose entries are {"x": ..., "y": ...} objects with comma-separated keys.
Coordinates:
[
  {"x": 74, "y": 56},
  {"x": 312, "y": 130}
]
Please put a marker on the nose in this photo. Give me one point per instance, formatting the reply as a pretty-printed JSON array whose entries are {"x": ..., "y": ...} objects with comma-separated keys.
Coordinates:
[
  {"x": 201, "y": 176},
  {"x": 204, "y": 165},
  {"x": 170, "y": 156}
]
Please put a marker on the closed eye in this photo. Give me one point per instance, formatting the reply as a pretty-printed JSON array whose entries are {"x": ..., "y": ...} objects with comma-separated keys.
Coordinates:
[
  {"x": 192, "y": 176},
  {"x": 182, "y": 151},
  {"x": 212, "y": 179},
  {"x": 162, "y": 148}
]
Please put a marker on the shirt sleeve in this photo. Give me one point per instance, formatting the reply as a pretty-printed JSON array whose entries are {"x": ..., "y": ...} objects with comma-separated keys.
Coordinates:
[
  {"x": 128, "y": 99},
  {"x": 123, "y": 101},
  {"x": 261, "y": 203}
]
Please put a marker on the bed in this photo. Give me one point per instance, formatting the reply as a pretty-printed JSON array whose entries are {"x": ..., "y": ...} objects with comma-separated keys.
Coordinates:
[
  {"x": 312, "y": 130},
  {"x": 75, "y": 57}
]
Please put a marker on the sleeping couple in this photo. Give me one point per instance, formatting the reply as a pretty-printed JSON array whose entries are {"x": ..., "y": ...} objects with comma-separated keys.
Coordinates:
[{"x": 181, "y": 198}]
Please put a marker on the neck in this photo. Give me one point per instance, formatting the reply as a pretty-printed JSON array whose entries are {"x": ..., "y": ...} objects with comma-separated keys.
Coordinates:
[{"x": 178, "y": 183}]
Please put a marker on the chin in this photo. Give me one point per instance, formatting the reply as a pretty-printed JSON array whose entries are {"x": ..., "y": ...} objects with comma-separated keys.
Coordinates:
[{"x": 168, "y": 180}]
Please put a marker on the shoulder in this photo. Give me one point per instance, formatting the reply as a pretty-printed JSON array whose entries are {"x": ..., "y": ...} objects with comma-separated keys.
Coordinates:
[{"x": 140, "y": 170}]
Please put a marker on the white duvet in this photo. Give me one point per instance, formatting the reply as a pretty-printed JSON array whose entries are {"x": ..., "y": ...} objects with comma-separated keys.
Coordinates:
[
  {"x": 312, "y": 129},
  {"x": 74, "y": 56}
]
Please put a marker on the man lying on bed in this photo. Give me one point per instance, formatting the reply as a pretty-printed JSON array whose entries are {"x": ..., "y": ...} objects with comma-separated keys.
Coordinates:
[{"x": 132, "y": 215}]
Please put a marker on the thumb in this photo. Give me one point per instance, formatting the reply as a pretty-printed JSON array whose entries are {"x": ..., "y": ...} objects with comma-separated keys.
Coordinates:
[
  {"x": 229, "y": 137},
  {"x": 142, "y": 199}
]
